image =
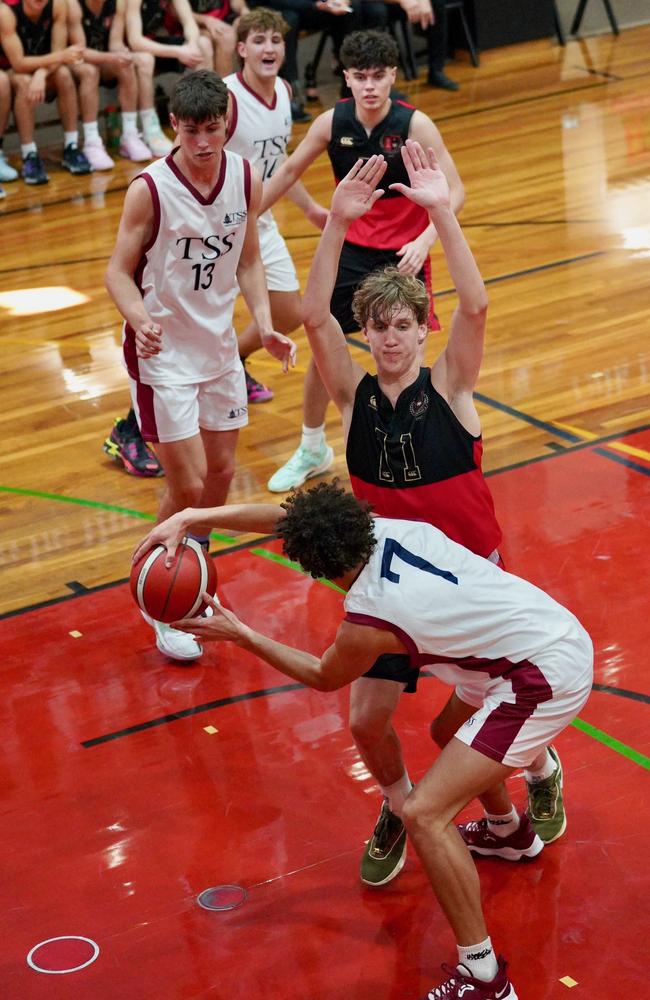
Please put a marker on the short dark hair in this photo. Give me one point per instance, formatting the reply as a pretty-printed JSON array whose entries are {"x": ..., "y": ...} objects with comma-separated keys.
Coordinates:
[
  {"x": 369, "y": 50},
  {"x": 326, "y": 530},
  {"x": 385, "y": 292},
  {"x": 199, "y": 97}
]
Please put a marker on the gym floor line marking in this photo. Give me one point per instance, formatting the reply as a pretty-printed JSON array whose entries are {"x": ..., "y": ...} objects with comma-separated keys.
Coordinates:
[
  {"x": 597, "y": 734},
  {"x": 240, "y": 546},
  {"x": 612, "y": 743}
]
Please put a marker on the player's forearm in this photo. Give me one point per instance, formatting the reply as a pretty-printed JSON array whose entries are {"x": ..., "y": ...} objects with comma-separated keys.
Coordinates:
[
  {"x": 294, "y": 663},
  {"x": 252, "y": 284},
  {"x": 96, "y": 58},
  {"x": 301, "y": 197},
  {"x": 322, "y": 275},
  {"x": 257, "y": 518},
  {"x": 278, "y": 185},
  {"x": 126, "y": 296},
  {"x": 29, "y": 64},
  {"x": 463, "y": 269}
]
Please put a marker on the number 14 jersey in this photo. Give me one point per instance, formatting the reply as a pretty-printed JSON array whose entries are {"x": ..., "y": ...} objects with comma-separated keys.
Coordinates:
[{"x": 187, "y": 274}]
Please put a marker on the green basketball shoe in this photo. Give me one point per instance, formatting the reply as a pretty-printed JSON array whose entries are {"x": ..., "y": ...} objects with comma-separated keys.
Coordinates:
[
  {"x": 385, "y": 853},
  {"x": 546, "y": 805}
]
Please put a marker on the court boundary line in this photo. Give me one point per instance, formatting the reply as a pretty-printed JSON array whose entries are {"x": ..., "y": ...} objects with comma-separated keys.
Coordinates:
[{"x": 578, "y": 445}]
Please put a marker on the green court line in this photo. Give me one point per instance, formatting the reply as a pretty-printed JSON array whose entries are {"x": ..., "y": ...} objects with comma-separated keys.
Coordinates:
[
  {"x": 612, "y": 743},
  {"x": 274, "y": 557},
  {"x": 97, "y": 505}
]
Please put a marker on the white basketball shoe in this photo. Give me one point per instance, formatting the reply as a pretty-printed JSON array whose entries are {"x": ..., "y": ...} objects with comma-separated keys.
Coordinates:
[{"x": 173, "y": 643}]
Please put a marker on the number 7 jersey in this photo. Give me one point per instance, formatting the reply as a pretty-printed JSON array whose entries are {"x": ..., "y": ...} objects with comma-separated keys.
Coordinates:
[
  {"x": 461, "y": 614},
  {"x": 187, "y": 274}
]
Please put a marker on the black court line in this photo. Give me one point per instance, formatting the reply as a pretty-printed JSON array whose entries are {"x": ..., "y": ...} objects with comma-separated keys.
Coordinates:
[
  {"x": 53, "y": 263},
  {"x": 118, "y": 583},
  {"x": 185, "y": 713},
  {"x": 209, "y": 706},
  {"x": 76, "y": 587},
  {"x": 577, "y": 444},
  {"x": 622, "y": 693}
]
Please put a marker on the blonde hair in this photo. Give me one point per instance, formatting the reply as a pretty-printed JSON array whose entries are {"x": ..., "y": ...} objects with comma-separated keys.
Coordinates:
[{"x": 383, "y": 293}]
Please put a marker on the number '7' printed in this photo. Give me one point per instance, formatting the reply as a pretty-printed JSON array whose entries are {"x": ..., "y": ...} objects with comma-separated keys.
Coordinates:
[{"x": 393, "y": 548}]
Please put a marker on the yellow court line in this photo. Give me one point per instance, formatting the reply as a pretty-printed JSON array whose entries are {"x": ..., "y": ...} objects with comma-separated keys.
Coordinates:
[{"x": 627, "y": 449}]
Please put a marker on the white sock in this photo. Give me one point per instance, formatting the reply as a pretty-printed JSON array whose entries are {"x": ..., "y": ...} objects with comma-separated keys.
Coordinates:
[
  {"x": 29, "y": 147},
  {"x": 129, "y": 122},
  {"x": 70, "y": 139},
  {"x": 149, "y": 120},
  {"x": 91, "y": 132},
  {"x": 503, "y": 826},
  {"x": 397, "y": 793},
  {"x": 313, "y": 438},
  {"x": 479, "y": 960},
  {"x": 545, "y": 772}
]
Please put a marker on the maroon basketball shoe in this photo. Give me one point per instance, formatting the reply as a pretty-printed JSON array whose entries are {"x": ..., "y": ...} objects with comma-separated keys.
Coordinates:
[
  {"x": 523, "y": 843},
  {"x": 464, "y": 987}
]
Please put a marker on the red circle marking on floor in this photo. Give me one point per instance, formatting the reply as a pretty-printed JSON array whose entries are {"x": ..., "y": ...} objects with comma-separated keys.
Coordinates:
[{"x": 59, "y": 955}]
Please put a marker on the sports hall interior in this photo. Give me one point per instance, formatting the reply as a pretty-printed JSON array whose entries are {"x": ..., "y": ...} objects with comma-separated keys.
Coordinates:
[{"x": 131, "y": 784}]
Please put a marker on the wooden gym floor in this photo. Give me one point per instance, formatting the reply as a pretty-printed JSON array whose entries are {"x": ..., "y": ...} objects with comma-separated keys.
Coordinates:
[{"x": 130, "y": 785}]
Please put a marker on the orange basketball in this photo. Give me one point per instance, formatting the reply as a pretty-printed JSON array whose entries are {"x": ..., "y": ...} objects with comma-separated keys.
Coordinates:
[{"x": 168, "y": 594}]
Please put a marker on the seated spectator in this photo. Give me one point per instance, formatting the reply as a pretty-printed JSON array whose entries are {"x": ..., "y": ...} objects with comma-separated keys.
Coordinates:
[
  {"x": 430, "y": 16},
  {"x": 34, "y": 40},
  {"x": 100, "y": 26},
  {"x": 7, "y": 172},
  {"x": 165, "y": 29},
  {"x": 216, "y": 19}
]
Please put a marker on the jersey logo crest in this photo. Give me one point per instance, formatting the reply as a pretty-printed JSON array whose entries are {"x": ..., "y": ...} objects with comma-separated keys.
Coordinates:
[
  {"x": 372, "y": 403},
  {"x": 346, "y": 140},
  {"x": 230, "y": 218},
  {"x": 391, "y": 143},
  {"x": 419, "y": 406}
]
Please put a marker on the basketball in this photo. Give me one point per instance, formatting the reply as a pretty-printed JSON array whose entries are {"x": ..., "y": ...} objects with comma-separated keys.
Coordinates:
[{"x": 168, "y": 594}]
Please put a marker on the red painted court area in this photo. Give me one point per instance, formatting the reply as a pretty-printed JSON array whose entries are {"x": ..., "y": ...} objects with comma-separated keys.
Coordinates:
[{"x": 114, "y": 840}]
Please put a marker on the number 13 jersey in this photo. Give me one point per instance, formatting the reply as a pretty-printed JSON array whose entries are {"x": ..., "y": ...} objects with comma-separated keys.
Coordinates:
[{"x": 187, "y": 274}]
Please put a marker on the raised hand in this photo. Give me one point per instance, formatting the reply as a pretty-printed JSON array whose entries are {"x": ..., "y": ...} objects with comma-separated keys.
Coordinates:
[
  {"x": 428, "y": 184},
  {"x": 358, "y": 190},
  {"x": 280, "y": 347}
]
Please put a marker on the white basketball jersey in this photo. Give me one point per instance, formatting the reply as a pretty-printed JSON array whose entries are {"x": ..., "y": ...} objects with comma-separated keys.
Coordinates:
[
  {"x": 188, "y": 272},
  {"x": 458, "y": 612},
  {"x": 258, "y": 131}
]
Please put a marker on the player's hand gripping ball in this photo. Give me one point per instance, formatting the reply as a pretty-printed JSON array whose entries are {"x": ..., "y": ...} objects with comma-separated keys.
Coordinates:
[{"x": 168, "y": 594}]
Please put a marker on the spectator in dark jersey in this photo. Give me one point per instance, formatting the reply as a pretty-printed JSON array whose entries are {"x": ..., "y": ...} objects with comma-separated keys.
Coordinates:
[
  {"x": 7, "y": 172},
  {"x": 34, "y": 44},
  {"x": 216, "y": 19},
  {"x": 101, "y": 25},
  {"x": 414, "y": 451},
  {"x": 395, "y": 231},
  {"x": 166, "y": 30}
]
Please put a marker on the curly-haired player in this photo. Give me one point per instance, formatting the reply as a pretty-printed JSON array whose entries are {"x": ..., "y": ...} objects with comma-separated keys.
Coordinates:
[{"x": 412, "y": 591}]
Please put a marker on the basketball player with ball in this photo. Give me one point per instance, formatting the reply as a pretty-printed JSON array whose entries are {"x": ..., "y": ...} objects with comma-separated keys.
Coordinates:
[{"x": 187, "y": 243}]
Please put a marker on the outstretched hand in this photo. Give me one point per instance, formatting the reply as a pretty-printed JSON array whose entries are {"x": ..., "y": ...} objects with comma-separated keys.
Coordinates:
[
  {"x": 428, "y": 184},
  {"x": 358, "y": 191},
  {"x": 222, "y": 624}
]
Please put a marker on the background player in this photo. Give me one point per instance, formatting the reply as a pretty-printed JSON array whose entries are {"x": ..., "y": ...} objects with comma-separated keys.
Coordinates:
[
  {"x": 259, "y": 130},
  {"x": 394, "y": 231},
  {"x": 187, "y": 240},
  {"x": 413, "y": 592}
]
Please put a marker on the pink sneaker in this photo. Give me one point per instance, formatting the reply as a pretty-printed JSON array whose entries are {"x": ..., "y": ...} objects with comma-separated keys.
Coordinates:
[
  {"x": 96, "y": 155},
  {"x": 158, "y": 143},
  {"x": 133, "y": 148},
  {"x": 523, "y": 843},
  {"x": 462, "y": 985}
]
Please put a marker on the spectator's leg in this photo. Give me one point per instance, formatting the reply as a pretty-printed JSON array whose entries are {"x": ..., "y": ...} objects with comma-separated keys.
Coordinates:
[
  {"x": 87, "y": 77},
  {"x": 437, "y": 41}
]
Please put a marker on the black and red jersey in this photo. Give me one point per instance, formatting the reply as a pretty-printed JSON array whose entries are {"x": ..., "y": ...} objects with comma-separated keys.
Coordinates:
[
  {"x": 393, "y": 220},
  {"x": 97, "y": 27},
  {"x": 418, "y": 462},
  {"x": 35, "y": 36}
]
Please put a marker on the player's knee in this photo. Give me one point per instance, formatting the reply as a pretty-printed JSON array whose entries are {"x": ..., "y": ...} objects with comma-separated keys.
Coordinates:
[
  {"x": 88, "y": 74},
  {"x": 144, "y": 63},
  {"x": 5, "y": 87},
  {"x": 368, "y": 726},
  {"x": 62, "y": 78}
]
